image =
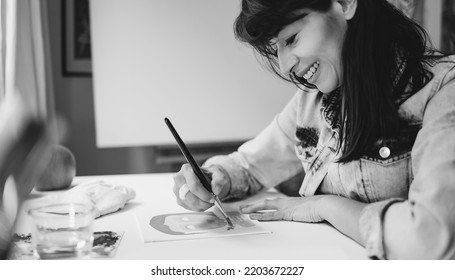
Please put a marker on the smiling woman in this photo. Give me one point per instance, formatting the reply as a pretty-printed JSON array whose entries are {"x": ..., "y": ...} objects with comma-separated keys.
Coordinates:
[
  {"x": 316, "y": 36},
  {"x": 370, "y": 129}
]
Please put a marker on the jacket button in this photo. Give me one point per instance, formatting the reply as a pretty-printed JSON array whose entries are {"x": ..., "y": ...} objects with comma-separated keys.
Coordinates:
[{"x": 384, "y": 152}]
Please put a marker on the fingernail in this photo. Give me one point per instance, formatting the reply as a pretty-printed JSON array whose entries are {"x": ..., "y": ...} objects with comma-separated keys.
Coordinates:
[{"x": 212, "y": 200}]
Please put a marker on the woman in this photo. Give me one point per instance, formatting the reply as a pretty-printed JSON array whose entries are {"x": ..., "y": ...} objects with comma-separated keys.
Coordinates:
[{"x": 371, "y": 128}]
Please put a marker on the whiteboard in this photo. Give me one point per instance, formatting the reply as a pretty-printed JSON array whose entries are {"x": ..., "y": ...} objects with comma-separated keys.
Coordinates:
[{"x": 178, "y": 59}]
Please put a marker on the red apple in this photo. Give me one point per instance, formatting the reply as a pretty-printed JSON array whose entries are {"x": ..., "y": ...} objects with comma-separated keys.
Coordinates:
[{"x": 60, "y": 172}]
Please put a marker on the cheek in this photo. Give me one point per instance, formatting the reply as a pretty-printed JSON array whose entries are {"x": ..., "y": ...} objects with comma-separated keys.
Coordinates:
[
  {"x": 329, "y": 78},
  {"x": 332, "y": 33},
  {"x": 331, "y": 56},
  {"x": 314, "y": 43}
]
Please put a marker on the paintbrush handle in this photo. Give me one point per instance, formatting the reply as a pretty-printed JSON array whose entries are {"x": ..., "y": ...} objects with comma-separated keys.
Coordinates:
[{"x": 186, "y": 153}]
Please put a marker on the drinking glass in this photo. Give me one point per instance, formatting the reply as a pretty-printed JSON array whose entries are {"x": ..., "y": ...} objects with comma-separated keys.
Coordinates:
[{"x": 63, "y": 230}]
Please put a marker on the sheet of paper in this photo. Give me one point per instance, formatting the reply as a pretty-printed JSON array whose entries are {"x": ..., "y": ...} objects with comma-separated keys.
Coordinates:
[{"x": 193, "y": 225}]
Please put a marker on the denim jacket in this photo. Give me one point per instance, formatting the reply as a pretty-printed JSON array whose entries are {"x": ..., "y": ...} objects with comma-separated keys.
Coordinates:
[{"x": 408, "y": 182}]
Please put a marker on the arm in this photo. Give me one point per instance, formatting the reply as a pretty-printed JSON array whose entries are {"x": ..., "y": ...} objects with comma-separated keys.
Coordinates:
[
  {"x": 341, "y": 212},
  {"x": 424, "y": 225}
]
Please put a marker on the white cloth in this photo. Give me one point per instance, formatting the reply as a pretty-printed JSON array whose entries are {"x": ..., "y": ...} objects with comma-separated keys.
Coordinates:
[{"x": 106, "y": 197}]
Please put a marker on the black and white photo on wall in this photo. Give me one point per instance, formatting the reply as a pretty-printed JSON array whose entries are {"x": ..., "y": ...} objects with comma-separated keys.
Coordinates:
[{"x": 76, "y": 42}]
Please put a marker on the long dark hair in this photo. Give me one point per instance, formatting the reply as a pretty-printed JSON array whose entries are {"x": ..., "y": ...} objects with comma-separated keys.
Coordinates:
[{"x": 376, "y": 37}]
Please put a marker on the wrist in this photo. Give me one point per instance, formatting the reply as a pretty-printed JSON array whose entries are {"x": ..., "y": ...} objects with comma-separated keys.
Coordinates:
[{"x": 325, "y": 207}]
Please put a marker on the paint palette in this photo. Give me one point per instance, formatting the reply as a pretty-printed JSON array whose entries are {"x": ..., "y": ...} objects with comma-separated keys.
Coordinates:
[{"x": 105, "y": 244}]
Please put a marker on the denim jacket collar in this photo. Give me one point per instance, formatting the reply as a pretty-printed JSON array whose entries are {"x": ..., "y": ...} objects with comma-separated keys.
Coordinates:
[{"x": 331, "y": 102}]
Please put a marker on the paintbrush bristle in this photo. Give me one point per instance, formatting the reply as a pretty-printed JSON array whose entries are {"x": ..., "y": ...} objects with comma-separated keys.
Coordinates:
[{"x": 231, "y": 225}]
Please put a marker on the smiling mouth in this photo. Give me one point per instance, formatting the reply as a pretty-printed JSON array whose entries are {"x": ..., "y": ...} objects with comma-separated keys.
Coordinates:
[
  {"x": 312, "y": 69},
  {"x": 303, "y": 78}
]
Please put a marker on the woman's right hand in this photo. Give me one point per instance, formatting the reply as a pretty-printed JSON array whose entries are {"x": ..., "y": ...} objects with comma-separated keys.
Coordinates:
[{"x": 190, "y": 192}]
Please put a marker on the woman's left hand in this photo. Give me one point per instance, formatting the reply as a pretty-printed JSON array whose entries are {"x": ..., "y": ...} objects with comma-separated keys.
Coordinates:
[{"x": 299, "y": 209}]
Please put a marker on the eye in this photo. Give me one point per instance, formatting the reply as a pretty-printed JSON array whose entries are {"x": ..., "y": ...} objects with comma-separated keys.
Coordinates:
[{"x": 290, "y": 40}]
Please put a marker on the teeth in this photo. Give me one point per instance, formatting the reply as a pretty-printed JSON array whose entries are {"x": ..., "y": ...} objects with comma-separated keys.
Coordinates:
[{"x": 311, "y": 71}]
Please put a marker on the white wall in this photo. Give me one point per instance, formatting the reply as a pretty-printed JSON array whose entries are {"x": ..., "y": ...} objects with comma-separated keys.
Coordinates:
[
  {"x": 178, "y": 59},
  {"x": 74, "y": 102},
  {"x": 432, "y": 20}
]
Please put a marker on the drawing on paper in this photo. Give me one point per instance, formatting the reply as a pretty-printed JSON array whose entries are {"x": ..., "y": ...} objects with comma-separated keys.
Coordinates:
[
  {"x": 157, "y": 227},
  {"x": 194, "y": 223}
]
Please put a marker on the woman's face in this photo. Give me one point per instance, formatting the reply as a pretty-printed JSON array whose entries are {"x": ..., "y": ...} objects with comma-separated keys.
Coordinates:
[{"x": 311, "y": 47}]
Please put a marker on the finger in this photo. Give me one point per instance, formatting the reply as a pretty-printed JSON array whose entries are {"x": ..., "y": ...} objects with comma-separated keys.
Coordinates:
[
  {"x": 194, "y": 203},
  {"x": 220, "y": 183},
  {"x": 183, "y": 191},
  {"x": 267, "y": 216},
  {"x": 179, "y": 180},
  {"x": 188, "y": 200},
  {"x": 195, "y": 185},
  {"x": 183, "y": 204},
  {"x": 265, "y": 204}
]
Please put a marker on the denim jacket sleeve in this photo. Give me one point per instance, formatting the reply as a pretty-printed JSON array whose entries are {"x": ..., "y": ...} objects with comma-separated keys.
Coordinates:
[
  {"x": 266, "y": 160},
  {"x": 423, "y": 226}
]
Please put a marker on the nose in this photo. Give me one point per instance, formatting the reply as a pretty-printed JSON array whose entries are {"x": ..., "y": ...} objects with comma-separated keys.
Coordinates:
[{"x": 286, "y": 61}]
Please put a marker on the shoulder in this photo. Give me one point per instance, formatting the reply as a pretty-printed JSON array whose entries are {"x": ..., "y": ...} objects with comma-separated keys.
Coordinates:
[
  {"x": 443, "y": 70},
  {"x": 443, "y": 75},
  {"x": 441, "y": 99}
]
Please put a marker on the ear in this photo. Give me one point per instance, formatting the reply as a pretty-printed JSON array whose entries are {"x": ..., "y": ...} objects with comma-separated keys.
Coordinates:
[{"x": 349, "y": 8}]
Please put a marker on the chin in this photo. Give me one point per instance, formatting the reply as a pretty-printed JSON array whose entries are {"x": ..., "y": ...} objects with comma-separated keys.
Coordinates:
[
  {"x": 322, "y": 89},
  {"x": 327, "y": 81},
  {"x": 327, "y": 87}
]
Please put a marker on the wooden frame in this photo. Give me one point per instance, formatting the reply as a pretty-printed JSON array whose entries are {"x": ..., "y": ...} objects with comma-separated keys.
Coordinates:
[{"x": 76, "y": 43}]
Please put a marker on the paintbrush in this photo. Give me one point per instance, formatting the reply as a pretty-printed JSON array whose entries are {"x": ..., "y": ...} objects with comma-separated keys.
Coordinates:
[{"x": 197, "y": 170}]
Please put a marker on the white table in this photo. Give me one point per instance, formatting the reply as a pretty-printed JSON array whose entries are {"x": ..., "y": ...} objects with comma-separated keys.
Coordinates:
[{"x": 289, "y": 240}]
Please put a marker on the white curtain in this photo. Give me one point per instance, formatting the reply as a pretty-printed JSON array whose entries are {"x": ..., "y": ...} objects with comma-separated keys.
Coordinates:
[
  {"x": 2, "y": 48},
  {"x": 25, "y": 54}
]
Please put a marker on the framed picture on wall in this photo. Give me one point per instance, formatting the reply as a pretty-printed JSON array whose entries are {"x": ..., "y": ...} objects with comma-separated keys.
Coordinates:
[{"x": 76, "y": 43}]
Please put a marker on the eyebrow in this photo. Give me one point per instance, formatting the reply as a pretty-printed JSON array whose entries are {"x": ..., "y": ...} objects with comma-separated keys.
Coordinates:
[
  {"x": 283, "y": 35},
  {"x": 284, "y": 32}
]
